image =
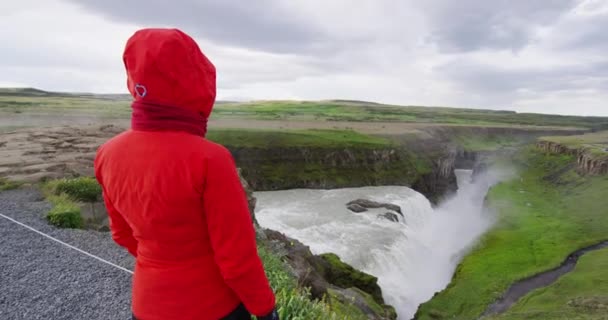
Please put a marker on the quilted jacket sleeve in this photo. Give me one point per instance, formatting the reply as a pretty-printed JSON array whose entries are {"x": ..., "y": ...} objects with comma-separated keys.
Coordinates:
[
  {"x": 232, "y": 234},
  {"x": 121, "y": 231}
]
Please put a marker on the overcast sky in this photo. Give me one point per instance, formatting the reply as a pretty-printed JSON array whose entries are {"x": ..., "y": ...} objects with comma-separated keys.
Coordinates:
[{"x": 548, "y": 56}]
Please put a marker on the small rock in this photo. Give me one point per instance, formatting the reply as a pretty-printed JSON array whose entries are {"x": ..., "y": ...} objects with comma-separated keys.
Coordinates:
[
  {"x": 389, "y": 216},
  {"x": 368, "y": 204},
  {"x": 356, "y": 208}
]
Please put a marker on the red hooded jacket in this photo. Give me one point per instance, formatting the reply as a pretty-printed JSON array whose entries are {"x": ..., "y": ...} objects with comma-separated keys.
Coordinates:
[{"x": 174, "y": 198}]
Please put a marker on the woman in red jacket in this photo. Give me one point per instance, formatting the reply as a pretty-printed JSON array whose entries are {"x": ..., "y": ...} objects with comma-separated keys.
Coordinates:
[{"x": 174, "y": 199}]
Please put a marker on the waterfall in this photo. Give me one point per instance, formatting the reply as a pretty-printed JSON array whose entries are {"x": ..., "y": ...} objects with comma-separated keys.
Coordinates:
[{"x": 412, "y": 259}]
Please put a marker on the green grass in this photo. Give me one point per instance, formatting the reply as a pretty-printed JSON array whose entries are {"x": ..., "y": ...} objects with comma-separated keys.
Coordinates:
[
  {"x": 64, "y": 105},
  {"x": 364, "y": 111},
  {"x": 596, "y": 142},
  {"x": 296, "y": 138},
  {"x": 581, "y": 294},
  {"x": 545, "y": 214},
  {"x": 84, "y": 189},
  {"x": 65, "y": 212},
  {"x": 8, "y": 185},
  {"x": 294, "y": 302},
  {"x": 67, "y": 196},
  {"x": 35, "y": 102}
]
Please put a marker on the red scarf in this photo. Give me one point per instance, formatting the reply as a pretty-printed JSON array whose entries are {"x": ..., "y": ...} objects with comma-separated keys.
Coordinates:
[{"x": 154, "y": 117}]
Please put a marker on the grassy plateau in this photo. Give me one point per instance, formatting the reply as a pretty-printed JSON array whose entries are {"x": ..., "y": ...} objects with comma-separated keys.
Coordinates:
[
  {"x": 28, "y": 101},
  {"x": 545, "y": 214}
]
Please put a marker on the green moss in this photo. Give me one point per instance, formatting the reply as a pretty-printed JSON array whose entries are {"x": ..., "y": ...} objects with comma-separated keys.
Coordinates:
[
  {"x": 83, "y": 189},
  {"x": 543, "y": 215},
  {"x": 345, "y": 276},
  {"x": 65, "y": 212},
  {"x": 344, "y": 309},
  {"x": 354, "y": 303}
]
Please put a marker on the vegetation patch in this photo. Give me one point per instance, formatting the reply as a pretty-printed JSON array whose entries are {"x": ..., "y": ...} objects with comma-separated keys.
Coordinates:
[
  {"x": 595, "y": 142},
  {"x": 65, "y": 212},
  {"x": 581, "y": 294},
  {"x": 345, "y": 276},
  {"x": 295, "y": 138},
  {"x": 68, "y": 197},
  {"x": 28, "y": 101},
  {"x": 84, "y": 189},
  {"x": 6, "y": 184},
  {"x": 293, "y": 302},
  {"x": 545, "y": 214},
  {"x": 367, "y": 111}
]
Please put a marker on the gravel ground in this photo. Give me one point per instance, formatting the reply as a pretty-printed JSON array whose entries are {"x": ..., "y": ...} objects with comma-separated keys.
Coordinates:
[{"x": 42, "y": 279}]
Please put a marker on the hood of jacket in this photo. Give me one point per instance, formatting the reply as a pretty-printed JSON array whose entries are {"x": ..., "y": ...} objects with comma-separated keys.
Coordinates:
[{"x": 166, "y": 67}]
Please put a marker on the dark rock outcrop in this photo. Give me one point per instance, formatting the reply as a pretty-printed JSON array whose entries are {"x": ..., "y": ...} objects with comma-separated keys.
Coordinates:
[
  {"x": 441, "y": 181},
  {"x": 357, "y": 205},
  {"x": 283, "y": 168}
]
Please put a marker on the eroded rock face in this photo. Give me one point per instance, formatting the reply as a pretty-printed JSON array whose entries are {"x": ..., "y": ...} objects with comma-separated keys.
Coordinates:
[
  {"x": 251, "y": 200},
  {"x": 365, "y": 204},
  {"x": 587, "y": 162}
]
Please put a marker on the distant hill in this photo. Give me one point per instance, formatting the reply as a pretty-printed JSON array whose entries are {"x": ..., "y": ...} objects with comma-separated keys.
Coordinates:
[
  {"x": 32, "y": 100},
  {"x": 33, "y": 92}
]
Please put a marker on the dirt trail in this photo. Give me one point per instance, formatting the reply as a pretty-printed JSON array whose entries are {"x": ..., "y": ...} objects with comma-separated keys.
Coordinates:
[{"x": 543, "y": 279}]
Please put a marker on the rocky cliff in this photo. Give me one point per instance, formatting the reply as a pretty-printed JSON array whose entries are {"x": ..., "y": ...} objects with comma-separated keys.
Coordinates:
[
  {"x": 587, "y": 162},
  {"x": 325, "y": 168},
  {"x": 327, "y": 277}
]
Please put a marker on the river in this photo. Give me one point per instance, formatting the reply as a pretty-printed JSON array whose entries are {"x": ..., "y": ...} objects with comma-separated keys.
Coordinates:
[{"x": 413, "y": 258}]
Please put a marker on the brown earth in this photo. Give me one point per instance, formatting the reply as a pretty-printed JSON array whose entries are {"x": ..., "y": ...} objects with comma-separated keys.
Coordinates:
[{"x": 36, "y": 154}]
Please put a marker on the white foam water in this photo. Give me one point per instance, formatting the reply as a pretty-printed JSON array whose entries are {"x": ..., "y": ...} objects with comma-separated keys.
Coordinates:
[{"x": 412, "y": 259}]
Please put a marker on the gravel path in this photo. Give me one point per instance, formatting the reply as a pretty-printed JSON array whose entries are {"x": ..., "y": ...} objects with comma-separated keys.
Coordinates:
[{"x": 42, "y": 279}]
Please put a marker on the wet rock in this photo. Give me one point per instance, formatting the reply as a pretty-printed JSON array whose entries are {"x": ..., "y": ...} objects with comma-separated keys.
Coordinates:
[
  {"x": 356, "y": 208},
  {"x": 343, "y": 275},
  {"x": 369, "y": 204},
  {"x": 251, "y": 200},
  {"x": 365, "y": 304},
  {"x": 390, "y": 216}
]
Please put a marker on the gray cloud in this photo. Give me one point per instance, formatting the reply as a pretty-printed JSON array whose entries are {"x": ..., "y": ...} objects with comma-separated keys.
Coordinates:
[
  {"x": 584, "y": 33},
  {"x": 436, "y": 52},
  {"x": 262, "y": 24},
  {"x": 469, "y": 25},
  {"x": 495, "y": 79}
]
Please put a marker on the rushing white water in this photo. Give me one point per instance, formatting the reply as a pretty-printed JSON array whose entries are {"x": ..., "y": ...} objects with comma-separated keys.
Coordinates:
[{"x": 412, "y": 259}]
